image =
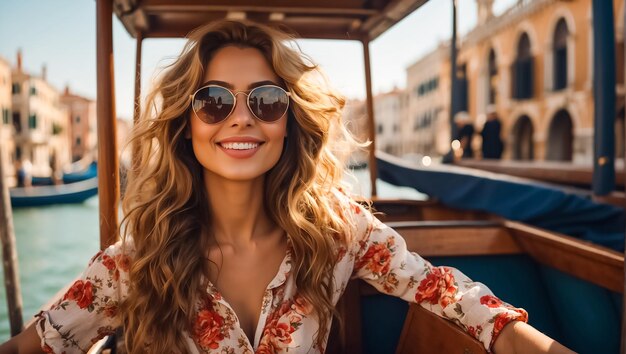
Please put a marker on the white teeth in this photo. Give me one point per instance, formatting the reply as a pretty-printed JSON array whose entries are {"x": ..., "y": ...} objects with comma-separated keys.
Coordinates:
[{"x": 239, "y": 146}]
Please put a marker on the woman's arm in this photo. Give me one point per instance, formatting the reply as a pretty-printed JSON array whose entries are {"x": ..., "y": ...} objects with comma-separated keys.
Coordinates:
[
  {"x": 382, "y": 259},
  {"x": 27, "y": 342},
  {"x": 520, "y": 337}
]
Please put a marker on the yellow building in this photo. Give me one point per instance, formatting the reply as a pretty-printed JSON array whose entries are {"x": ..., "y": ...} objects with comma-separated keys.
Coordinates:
[
  {"x": 6, "y": 130},
  {"x": 39, "y": 122},
  {"x": 428, "y": 96},
  {"x": 534, "y": 63}
]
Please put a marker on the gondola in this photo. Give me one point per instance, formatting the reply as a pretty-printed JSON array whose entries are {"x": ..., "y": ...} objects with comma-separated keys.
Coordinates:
[{"x": 70, "y": 193}]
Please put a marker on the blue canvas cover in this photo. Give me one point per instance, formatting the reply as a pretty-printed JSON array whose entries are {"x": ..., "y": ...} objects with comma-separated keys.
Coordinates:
[{"x": 561, "y": 209}]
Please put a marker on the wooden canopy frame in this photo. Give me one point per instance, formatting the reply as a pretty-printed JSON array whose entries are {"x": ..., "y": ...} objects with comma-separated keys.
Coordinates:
[{"x": 322, "y": 19}]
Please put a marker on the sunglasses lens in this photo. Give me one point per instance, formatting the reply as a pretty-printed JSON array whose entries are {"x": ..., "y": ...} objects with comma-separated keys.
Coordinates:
[
  {"x": 268, "y": 103},
  {"x": 212, "y": 104}
]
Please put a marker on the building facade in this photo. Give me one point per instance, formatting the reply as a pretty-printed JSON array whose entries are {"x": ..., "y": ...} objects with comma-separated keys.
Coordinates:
[
  {"x": 7, "y": 142},
  {"x": 81, "y": 118},
  {"x": 389, "y": 112},
  {"x": 39, "y": 122},
  {"x": 534, "y": 64},
  {"x": 428, "y": 99}
]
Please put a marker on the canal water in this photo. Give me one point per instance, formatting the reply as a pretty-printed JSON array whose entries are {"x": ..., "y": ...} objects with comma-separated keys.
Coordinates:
[{"x": 55, "y": 243}]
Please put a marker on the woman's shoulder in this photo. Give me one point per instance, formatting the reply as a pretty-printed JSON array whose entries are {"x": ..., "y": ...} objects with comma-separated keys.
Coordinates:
[
  {"x": 348, "y": 203},
  {"x": 121, "y": 252}
]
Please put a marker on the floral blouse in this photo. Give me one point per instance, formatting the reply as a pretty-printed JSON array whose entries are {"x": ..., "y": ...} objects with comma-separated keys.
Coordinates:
[{"x": 376, "y": 254}]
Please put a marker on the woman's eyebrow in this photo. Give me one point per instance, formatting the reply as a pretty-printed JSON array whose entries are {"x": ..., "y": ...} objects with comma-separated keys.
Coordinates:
[{"x": 230, "y": 86}]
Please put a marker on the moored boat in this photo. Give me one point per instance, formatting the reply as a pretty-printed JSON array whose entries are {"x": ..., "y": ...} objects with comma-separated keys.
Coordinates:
[{"x": 76, "y": 192}]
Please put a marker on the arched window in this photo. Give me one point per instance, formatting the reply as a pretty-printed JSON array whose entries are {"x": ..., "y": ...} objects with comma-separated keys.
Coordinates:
[
  {"x": 493, "y": 74},
  {"x": 522, "y": 70},
  {"x": 463, "y": 93},
  {"x": 560, "y": 137},
  {"x": 523, "y": 146},
  {"x": 559, "y": 47}
]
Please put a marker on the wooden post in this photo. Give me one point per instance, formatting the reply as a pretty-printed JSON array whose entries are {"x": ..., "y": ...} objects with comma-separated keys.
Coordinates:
[
  {"x": 623, "y": 341},
  {"x": 453, "y": 78},
  {"x": 604, "y": 97},
  {"x": 370, "y": 115},
  {"x": 108, "y": 172},
  {"x": 9, "y": 255},
  {"x": 137, "y": 101}
]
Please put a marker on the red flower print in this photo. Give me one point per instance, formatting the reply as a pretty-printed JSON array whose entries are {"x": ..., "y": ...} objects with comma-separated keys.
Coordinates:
[
  {"x": 499, "y": 322},
  {"x": 391, "y": 283},
  {"x": 377, "y": 258},
  {"x": 46, "y": 349},
  {"x": 474, "y": 332},
  {"x": 302, "y": 306},
  {"x": 523, "y": 315},
  {"x": 208, "y": 329},
  {"x": 471, "y": 331},
  {"x": 265, "y": 348},
  {"x": 108, "y": 262},
  {"x": 110, "y": 311},
  {"x": 437, "y": 287},
  {"x": 502, "y": 319},
  {"x": 81, "y": 292},
  {"x": 341, "y": 253},
  {"x": 123, "y": 262},
  {"x": 491, "y": 301},
  {"x": 280, "y": 333},
  {"x": 93, "y": 259}
]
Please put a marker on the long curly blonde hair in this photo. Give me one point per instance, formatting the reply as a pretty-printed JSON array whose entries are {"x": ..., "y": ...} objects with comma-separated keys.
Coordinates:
[{"x": 165, "y": 203}]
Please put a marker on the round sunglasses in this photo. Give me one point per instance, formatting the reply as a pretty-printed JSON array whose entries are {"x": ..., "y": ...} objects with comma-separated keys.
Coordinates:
[{"x": 212, "y": 104}]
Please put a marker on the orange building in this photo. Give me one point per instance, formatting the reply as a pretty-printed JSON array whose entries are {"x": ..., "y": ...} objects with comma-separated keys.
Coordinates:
[
  {"x": 81, "y": 117},
  {"x": 534, "y": 63}
]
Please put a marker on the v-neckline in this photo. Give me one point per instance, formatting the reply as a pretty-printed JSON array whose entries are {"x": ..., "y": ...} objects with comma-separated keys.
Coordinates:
[{"x": 279, "y": 279}]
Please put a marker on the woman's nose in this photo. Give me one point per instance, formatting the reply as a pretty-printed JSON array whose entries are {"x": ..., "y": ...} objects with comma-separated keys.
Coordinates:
[{"x": 241, "y": 113}]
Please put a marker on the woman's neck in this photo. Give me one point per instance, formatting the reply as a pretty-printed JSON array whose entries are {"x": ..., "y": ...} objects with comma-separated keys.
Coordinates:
[{"x": 237, "y": 210}]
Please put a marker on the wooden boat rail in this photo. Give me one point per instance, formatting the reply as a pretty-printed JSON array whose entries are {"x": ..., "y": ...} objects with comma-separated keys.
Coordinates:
[
  {"x": 547, "y": 171},
  {"x": 409, "y": 210}
]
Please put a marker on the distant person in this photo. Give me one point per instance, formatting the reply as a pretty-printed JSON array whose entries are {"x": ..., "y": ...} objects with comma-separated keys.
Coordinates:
[
  {"x": 25, "y": 174},
  {"x": 465, "y": 133},
  {"x": 492, "y": 142},
  {"x": 19, "y": 173}
]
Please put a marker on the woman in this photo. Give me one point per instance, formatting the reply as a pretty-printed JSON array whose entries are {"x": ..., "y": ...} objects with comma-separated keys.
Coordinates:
[{"x": 237, "y": 237}]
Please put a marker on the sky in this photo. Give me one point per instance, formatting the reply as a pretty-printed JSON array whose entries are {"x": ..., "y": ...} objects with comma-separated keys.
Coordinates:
[{"x": 61, "y": 34}]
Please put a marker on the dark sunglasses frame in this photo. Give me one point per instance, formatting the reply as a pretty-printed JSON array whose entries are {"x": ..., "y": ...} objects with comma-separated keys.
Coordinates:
[{"x": 234, "y": 95}]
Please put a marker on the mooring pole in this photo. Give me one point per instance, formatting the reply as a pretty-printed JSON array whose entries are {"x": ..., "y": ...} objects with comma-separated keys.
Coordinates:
[{"x": 9, "y": 255}]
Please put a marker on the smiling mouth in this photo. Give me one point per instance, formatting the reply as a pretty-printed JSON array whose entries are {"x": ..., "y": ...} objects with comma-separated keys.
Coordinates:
[{"x": 239, "y": 146}]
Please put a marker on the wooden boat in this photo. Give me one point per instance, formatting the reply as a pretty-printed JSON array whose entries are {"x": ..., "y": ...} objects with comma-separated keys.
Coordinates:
[
  {"x": 69, "y": 177},
  {"x": 525, "y": 265},
  {"x": 555, "y": 277},
  {"x": 70, "y": 193}
]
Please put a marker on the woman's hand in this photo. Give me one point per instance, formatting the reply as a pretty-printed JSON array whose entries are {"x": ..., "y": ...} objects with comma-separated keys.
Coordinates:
[
  {"x": 519, "y": 337},
  {"x": 27, "y": 342}
]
